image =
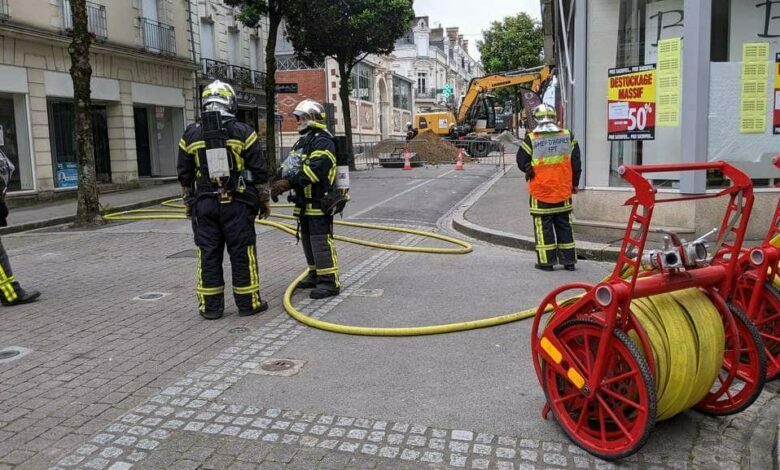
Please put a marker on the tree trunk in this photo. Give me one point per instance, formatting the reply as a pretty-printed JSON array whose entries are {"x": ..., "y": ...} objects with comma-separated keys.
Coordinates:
[
  {"x": 274, "y": 18},
  {"x": 88, "y": 210},
  {"x": 346, "y": 113}
]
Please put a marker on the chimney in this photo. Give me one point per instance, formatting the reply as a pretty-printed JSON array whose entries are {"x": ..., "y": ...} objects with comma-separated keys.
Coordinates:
[
  {"x": 465, "y": 43},
  {"x": 452, "y": 33}
]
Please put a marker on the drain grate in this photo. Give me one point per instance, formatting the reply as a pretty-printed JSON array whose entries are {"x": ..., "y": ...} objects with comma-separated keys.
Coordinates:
[
  {"x": 183, "y": 254},
  {"x": 238, "y": 329},
  {"x": 368, "y": 292},
  {"x": 280, "y": 367}
]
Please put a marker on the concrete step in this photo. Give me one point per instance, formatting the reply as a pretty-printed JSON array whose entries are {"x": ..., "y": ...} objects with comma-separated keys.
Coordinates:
[{"x": 615, "y": 231}]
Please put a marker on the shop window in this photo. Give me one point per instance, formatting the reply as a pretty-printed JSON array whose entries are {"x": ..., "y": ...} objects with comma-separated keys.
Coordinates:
[
  {"x": 743, "y": 98},
  {"x": 62, "y": 125},
  {"x": 623, "y": 128},
  {"x": 15, "y": 140}
]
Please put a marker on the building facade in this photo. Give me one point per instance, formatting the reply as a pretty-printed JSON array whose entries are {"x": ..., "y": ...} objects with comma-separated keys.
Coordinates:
[
  {"x": 381, "y": 101},
  {"x": 435, "y": 58},
  {"x": 715, "y": 67},
  {"x": 229, "y": 51},
  {"x": 142, "y": 90}
]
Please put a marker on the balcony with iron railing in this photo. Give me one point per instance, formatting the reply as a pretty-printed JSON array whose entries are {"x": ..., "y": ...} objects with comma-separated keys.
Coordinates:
[
  {"x": 96, "y": 19},
  {"x": 158, "y": 37},
  {"x": 427, "y": 94},
  {"x": 241, "y": 76}
]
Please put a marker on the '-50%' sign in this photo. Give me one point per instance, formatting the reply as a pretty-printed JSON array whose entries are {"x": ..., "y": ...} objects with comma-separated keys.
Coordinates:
[{"x": 631, "y": 113}]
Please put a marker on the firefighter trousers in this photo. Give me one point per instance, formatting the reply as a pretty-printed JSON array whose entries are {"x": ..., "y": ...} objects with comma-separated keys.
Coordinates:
[
  {"x": 9, "y": 288},
  {"x": 217, "y": 226},
  {"x": 553, "y": 233},
  {"x": 320, "y": 251}
]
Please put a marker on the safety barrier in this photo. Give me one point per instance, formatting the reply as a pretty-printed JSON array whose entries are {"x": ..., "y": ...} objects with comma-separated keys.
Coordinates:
[{"x": 655, "y": 338}]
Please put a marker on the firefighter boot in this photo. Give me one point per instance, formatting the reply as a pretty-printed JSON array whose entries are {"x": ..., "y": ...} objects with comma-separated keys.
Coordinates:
[
  {"x": 24, "y": 297},
  {"x": 262, "y": 308},
  {"x": 310, "y": 281},
  {"x": 327, "y": 267}
]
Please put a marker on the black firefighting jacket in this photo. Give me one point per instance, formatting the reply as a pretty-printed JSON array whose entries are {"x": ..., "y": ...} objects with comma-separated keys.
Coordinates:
[{"x": 318, "y": 171}]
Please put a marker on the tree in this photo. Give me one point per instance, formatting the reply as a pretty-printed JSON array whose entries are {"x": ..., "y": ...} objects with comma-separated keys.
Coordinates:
[
  {"x": 251, "y": 13},
  {"x": 88, "y": 208},
  {"x": 513, "y": 43},
  {"x": 347, "y": 31}
]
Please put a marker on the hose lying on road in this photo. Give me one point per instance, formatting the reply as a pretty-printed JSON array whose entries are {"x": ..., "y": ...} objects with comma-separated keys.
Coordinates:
[{"x": 174, "y": 211}]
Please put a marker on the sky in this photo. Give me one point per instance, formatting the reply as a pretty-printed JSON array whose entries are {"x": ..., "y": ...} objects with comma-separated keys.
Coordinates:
[{"x": 472, "y": 16}]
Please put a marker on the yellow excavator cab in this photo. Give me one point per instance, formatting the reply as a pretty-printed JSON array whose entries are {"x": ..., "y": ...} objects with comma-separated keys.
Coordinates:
[{"x": 437, "y": 122}]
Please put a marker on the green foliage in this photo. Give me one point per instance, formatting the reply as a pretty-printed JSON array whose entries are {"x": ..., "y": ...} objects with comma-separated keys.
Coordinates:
[
  {"x": 346, "y": 30},
  {"x": 251, "y": 11},
  {"x": 513, "y": 43}
]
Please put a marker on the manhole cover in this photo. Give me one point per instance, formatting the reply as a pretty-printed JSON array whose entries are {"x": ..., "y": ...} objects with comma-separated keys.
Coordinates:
[
  {"x": 183, "y": 254},
  {"x": 13, "y": 353},
  {"x": 276, "y": 365},
  {"x": 238, "y": 329},
  {"x": 368, "y": 292},
  {"x": 280, "y": 367},
  {"x": 8, "y": 354},
  {"x": 150, "y": 296}
]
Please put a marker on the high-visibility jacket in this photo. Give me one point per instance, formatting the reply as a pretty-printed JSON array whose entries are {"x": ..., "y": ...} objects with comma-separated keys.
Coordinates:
[{"x": 555, "y": 160}]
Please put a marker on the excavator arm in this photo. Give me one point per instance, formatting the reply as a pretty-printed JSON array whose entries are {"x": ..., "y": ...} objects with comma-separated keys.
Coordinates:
[{"x": 536, "y": 76}]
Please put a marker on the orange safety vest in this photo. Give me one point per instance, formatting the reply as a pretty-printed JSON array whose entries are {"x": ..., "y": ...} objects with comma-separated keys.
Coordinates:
[{"x": 551, "y": 161}]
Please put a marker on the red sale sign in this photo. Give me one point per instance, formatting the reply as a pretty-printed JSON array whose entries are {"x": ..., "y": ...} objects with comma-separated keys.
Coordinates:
[{"x": 631, "y": 107}]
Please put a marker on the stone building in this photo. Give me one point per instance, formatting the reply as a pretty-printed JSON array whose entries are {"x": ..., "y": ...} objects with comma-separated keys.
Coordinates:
[
  {"x": 434, "y": 58},
  {"x": 142, "y": 90}
]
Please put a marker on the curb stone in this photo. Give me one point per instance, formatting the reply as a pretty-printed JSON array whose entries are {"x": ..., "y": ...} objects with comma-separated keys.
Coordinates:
[
  {"x": 36, "y": 224},
  {"x": 587, "y": 250}
]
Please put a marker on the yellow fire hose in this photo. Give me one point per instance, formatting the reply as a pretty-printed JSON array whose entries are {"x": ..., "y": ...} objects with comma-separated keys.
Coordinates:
[{"x": 684, "y": 328}]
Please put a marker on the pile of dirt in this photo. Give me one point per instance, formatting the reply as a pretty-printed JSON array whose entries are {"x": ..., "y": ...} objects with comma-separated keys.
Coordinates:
[{"x": 428, "y": 147}]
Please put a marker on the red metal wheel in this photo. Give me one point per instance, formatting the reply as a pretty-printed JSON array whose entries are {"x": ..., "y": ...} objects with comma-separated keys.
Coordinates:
[
  {"x": 615, "y": 421},
  {"x": 743, "y": 373},
  {"x": 766, "y": 317}
]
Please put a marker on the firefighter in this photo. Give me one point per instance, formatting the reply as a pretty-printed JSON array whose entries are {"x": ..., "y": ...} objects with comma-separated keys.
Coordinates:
[
  {"x": 224, "y": 182},
  {"x": 550, "y": 158},
  {"x": 11, "y": 292},
  {"x": 411, "y": 132},
  {"x": 310, "y": 171}
]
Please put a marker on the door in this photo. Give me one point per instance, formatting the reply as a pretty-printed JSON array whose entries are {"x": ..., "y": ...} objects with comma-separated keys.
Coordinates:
[
  {"x": 100, "y": 143},
  {"x": 142, "y": 149}
]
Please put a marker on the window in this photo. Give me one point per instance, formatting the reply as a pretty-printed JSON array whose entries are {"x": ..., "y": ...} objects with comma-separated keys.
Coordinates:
[
  {"x": 402, "y": 91},
  {"x": 421, "y": 86},
  {"x": 14, "y": 139},
  {"x": 363, "y": 82},
  {"x": 233, "y": 52},
  {"x": 254, "y": 52},
  {"x": 206, "y": 39}
]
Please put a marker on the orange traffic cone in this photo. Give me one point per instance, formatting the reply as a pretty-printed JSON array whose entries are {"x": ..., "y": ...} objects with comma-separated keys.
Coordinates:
[
  {"x": 459, "y": 162},
  {"x": 407, "y": 160}
]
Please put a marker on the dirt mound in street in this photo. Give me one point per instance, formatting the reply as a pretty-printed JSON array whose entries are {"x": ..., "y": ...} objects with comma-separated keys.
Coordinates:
[{"x": 428, "y": 146}]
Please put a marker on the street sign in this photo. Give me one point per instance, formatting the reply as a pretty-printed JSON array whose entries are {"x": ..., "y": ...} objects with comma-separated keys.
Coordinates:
[{"x": 287, "y": 88}]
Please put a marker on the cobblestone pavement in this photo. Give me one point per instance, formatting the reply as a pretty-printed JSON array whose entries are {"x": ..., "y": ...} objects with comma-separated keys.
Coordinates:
[{"x": 117, "y": 383}]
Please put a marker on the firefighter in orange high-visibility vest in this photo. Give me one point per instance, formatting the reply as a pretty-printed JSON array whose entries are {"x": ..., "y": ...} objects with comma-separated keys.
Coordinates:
[{"x": 550, "y": 158}]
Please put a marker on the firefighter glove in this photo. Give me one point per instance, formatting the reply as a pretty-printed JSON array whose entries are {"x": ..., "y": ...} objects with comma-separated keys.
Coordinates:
[
  {"x": 263, "y": 200},
  {"x": 279, "y": 187},
  {"x": 529, "y": 172},
  {"x": 189, "y": 199}
]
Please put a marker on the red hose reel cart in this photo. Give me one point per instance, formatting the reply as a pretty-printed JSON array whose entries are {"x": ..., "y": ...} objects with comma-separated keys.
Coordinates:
[
  {"x": 756, "y": 290},
  {"x": 599, "y": 383}
]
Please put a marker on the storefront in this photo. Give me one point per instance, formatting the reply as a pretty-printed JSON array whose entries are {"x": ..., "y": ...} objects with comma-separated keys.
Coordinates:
[
  {"x": 15, "y": 126},
  {"x": 158, "y": 118},
  {"x": 669, "y": 81}
]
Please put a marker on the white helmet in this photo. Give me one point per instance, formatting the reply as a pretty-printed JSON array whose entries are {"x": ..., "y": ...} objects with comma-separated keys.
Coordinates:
[
  {"x": 545, "y": 117},
  {"x": 310, "y": 114},
  {"x": 219, "y": 96}
]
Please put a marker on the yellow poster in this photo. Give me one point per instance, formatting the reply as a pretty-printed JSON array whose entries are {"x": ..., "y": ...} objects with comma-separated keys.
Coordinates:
[
  {"x": 668, "y": 97},
  {"x": 753, "y": 91},
  {"x": 631, "y": 107}
]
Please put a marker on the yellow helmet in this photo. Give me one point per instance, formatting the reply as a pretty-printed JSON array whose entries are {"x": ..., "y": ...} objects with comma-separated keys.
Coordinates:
[{"x": 219, "y": 96}]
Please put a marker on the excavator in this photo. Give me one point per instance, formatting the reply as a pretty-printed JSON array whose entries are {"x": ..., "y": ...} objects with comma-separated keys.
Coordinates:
[{"x": 476, "y": 119}]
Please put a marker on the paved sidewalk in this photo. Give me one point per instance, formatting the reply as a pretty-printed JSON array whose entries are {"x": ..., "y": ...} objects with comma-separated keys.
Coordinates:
[{"x": 62, "y": 212}]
